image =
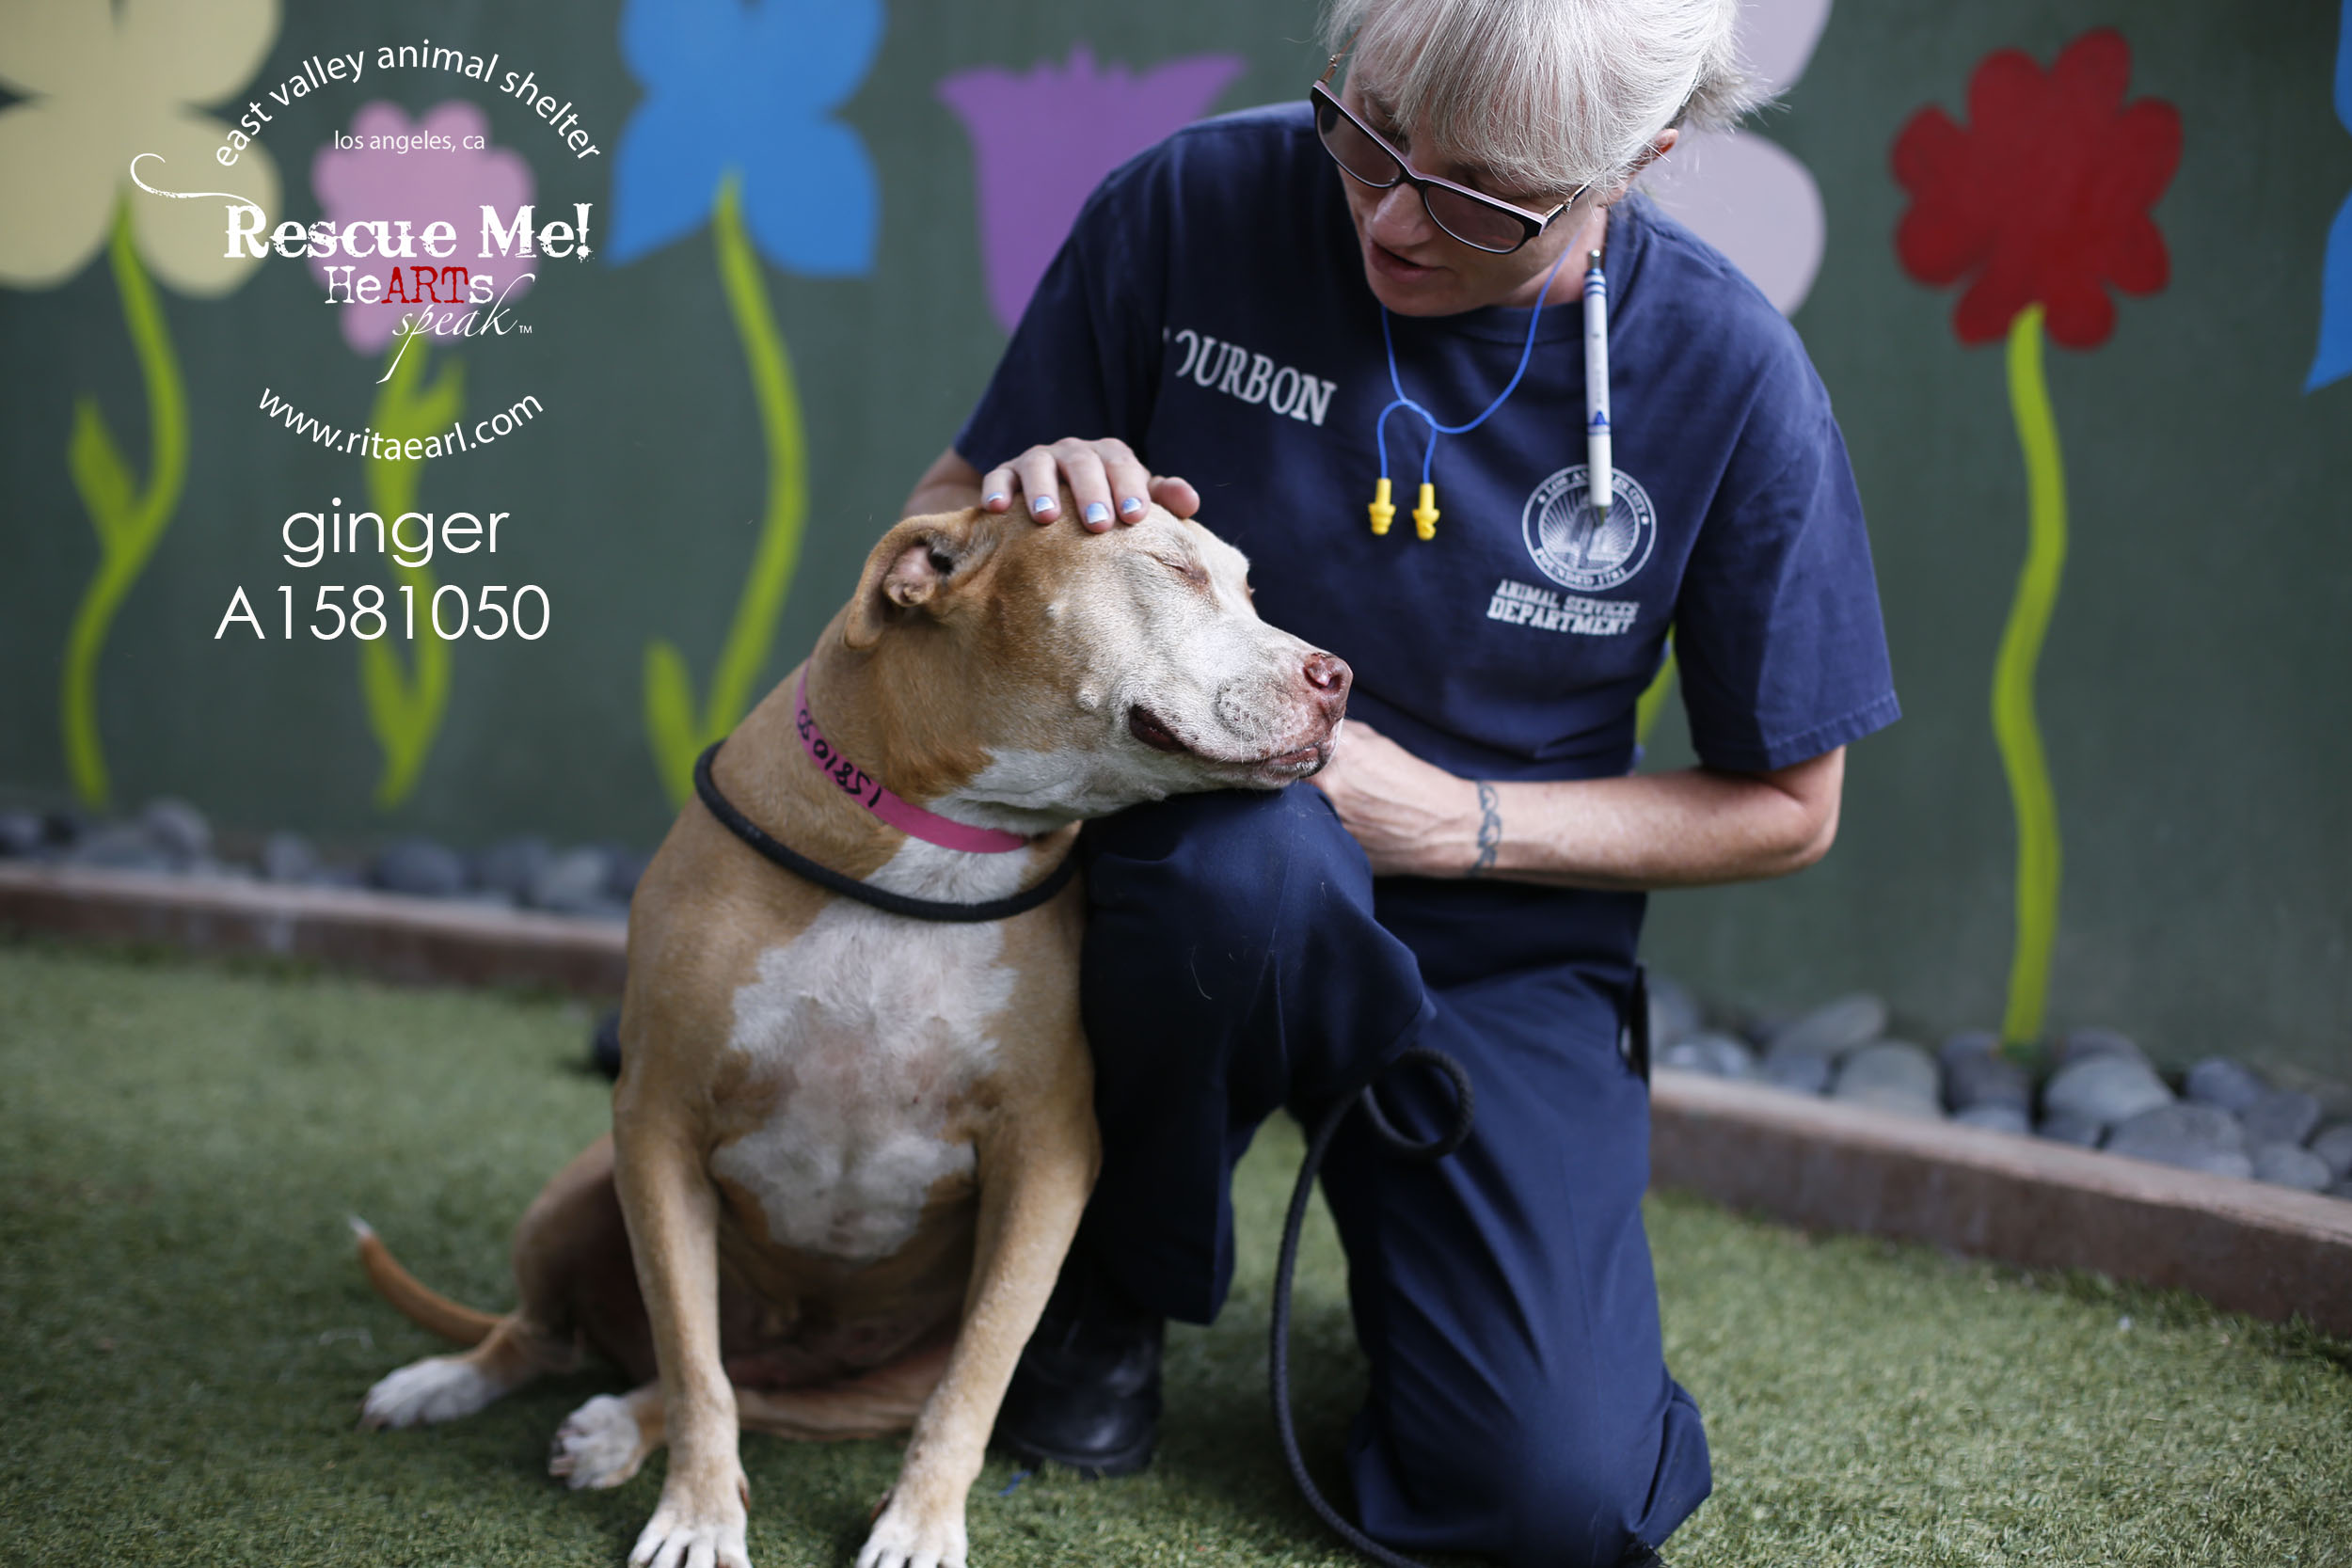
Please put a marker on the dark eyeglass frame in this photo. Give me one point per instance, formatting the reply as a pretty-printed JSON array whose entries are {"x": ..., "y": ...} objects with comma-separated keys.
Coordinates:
[{"x": 1327, "y": 105}]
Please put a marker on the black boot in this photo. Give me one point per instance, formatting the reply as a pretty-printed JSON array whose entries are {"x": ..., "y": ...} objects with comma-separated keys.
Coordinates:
[{"x": 1087, "y": 1393}]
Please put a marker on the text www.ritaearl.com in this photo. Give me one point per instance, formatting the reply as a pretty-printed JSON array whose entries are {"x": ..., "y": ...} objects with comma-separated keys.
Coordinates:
[{"x": 458, "y": 437}]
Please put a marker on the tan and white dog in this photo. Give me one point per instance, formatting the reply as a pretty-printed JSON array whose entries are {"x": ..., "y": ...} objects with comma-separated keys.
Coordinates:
[{"x": 849, "y": 1148}]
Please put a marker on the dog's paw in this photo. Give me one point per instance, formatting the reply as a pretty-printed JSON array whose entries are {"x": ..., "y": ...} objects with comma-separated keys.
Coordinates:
[
  {"x": 600, "y": 1444},
  {"x": 678, "y": 1537},
  {"x": 438, "y": 1388},
  {"x": 904, "y": 1537}
]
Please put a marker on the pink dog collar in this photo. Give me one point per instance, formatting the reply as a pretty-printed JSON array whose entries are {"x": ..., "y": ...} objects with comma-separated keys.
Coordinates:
[{"x": 896, "y": 810}]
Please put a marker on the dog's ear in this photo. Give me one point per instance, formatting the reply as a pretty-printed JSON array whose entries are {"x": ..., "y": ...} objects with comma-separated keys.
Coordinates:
[{"x": 915, "y": 565}]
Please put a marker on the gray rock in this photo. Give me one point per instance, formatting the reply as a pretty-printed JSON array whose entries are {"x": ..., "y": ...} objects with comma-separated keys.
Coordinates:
[
  {"x": 218, "y": 870},
  {"x": 2224, "y": 1082},
  {"x": 338, "y": 875},
  {"x": 1799, "y": 1074},
  {"x": 2335, "y": 1146},
  {"x": 1974, "y": 1077},
  {"x": 2292, "y": 1166},
  {"x": 2282, "y": 1115},
  {"x": 1717, "y": 1056},
  {"x": 629, "y": 869},
  {"x": 2067, "y": 1128},
  {"x": 1968, "y": 1042},
  {"x": 2083, "y": 1044},
  {"x": 571, "y": 882},
  {"x": 118, "y": 846},
  {"x": 288, "y": 857},
  {"x": 420, "y": 868},
  {"x": 1674, "y": 1012},
  {"x": 512, "y": 866},
  {"x": 2197, "y": 1137},
  {"x": 1998, "y": 1117},
  {"x": 22, "y": 833},
  {"x": 2105, "y": 1089},
  {"x": 177, "y": 828},
  {"x": 1894, "y": 1075},
  {"x": 1832, "y": 1030},
  {"x": 2341, "y": 1189}
]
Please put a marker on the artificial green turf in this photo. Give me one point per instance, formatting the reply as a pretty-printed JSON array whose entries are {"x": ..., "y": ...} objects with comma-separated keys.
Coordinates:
[{"x": 184, "y": 1337}]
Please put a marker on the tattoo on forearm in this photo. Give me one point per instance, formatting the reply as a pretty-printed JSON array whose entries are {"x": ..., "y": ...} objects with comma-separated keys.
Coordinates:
[{"x": 1489, "y": 831}]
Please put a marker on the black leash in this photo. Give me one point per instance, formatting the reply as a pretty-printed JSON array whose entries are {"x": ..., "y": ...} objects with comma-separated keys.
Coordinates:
[
  {"x": 742, "y": 827},
  {"x": 1633, "y": 1042},
  {"x": 1286, "y": 1264}
]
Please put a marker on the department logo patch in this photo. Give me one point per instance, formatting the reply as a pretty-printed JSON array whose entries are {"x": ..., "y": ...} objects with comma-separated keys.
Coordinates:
[{"x": 1570, "y": 542}]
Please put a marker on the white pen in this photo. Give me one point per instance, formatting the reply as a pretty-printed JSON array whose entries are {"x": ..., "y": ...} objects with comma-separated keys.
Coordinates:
[{"x": 1596, "y": 385}]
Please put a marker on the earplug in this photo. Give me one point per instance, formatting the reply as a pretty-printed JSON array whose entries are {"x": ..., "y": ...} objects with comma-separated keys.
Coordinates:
[
  {"x": 1383, "y": 512},
  {"x": 1426, "y": 515}
]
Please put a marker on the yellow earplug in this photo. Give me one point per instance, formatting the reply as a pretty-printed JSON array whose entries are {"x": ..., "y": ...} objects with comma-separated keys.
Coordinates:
[
  {"x": 1426, "y": 515},
  {"x": 1383, "y": 513}
]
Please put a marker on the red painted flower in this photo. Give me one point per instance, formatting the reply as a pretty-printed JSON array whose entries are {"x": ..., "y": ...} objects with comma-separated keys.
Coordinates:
[{"x": 2045, "y": 198}]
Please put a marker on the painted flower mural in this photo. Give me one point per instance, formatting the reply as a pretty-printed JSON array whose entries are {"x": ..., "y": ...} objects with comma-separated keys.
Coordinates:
[
  {"x": 737, "y": 129},
  {"x": 365, "y": 181},
  {"x": 100, "y": 85},
  {"x": 1743, "y": 194},
  {"x": 2038, "y": 205},
  {"x": 1041, "y": 140},
  {"x": 2333, "y": 361}
]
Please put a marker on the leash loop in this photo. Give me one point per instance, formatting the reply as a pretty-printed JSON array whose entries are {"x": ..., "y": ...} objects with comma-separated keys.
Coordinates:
[{"x": 1465, "y": 1108}]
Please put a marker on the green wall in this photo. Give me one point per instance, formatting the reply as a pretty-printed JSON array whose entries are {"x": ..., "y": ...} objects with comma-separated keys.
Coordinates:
[{"x": 2192, "y": 693}]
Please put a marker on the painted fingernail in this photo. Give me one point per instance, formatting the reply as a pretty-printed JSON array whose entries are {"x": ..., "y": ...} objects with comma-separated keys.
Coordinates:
[
  {"x": 995, "y": 498},
  {"x": 1098, "y": 513},
  {"x": 1044, "y": 503},
  {"x": 1132, "y": 506}
]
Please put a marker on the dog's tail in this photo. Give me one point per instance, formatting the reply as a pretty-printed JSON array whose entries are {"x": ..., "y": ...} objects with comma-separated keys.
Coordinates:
[{"x": 417, "y": 1303}]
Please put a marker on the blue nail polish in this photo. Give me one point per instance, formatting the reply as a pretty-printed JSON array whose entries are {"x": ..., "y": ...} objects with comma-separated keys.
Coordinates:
[
  {"x": 1040, "y": 503},
  {"x": 1098, "y": 513},
  {"x": 1129, "y": 507}
]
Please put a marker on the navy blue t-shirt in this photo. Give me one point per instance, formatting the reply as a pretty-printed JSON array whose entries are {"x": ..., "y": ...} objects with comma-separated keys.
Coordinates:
[{"x": 1210, "y": 309}]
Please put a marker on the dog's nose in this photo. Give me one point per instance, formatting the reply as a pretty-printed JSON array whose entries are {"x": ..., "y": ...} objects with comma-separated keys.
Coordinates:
[{"x": 1327, "y": 677}]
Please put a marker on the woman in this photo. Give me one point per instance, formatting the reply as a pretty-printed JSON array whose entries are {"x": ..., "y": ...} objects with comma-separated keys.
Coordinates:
[{"x": 1238, "y": 306}]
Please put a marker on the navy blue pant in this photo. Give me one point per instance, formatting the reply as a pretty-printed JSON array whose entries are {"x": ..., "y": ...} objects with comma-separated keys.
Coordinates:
[{"x": 1238, "y": 962}]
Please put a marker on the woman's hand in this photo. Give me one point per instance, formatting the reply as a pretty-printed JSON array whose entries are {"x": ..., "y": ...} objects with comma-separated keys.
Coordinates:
[
  {"x": 1107, "y": 482},
  {"x": 1413, "y": 820}
]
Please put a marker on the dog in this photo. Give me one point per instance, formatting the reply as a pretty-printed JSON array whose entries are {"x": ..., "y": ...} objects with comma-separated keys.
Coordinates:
[{"x": 849, "y": 1148}]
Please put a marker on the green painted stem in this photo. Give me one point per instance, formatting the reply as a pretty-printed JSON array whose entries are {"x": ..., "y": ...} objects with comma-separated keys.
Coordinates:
[
  {"x": 673, "y": 729},
  {"x": 2014, "y": 724},
  {"x": 1653, "y": 699},
  {"x": 405, "y": 706},
  {"x": 129, "y": 522}
]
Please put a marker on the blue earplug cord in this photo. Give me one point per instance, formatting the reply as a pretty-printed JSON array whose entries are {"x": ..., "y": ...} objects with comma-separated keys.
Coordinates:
[{"x": 1426, "y": 515}]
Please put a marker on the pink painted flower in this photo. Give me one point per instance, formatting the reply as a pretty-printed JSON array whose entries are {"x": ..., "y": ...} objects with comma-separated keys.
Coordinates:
[
  {"x": 1043, "y": 142},
  {"x": 437, "y": 180}
]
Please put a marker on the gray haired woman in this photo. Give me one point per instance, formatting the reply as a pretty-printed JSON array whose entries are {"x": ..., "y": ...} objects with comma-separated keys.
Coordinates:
[{"x": 1277, "y": 320}]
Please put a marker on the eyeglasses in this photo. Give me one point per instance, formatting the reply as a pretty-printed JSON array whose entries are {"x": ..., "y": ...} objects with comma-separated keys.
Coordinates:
[{"x": 1363, "y": 155}]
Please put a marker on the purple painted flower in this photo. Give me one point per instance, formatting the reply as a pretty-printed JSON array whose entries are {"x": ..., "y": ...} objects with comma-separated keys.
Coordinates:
[
  {"x": 1044, "y": 140},
  {"x": 439, "y": 179}
]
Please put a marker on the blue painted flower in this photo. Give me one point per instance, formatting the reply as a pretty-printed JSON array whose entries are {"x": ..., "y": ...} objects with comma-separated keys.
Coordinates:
[
  {"x": 752, "y": 88},
  {"x": 2333, "y": 360}
]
